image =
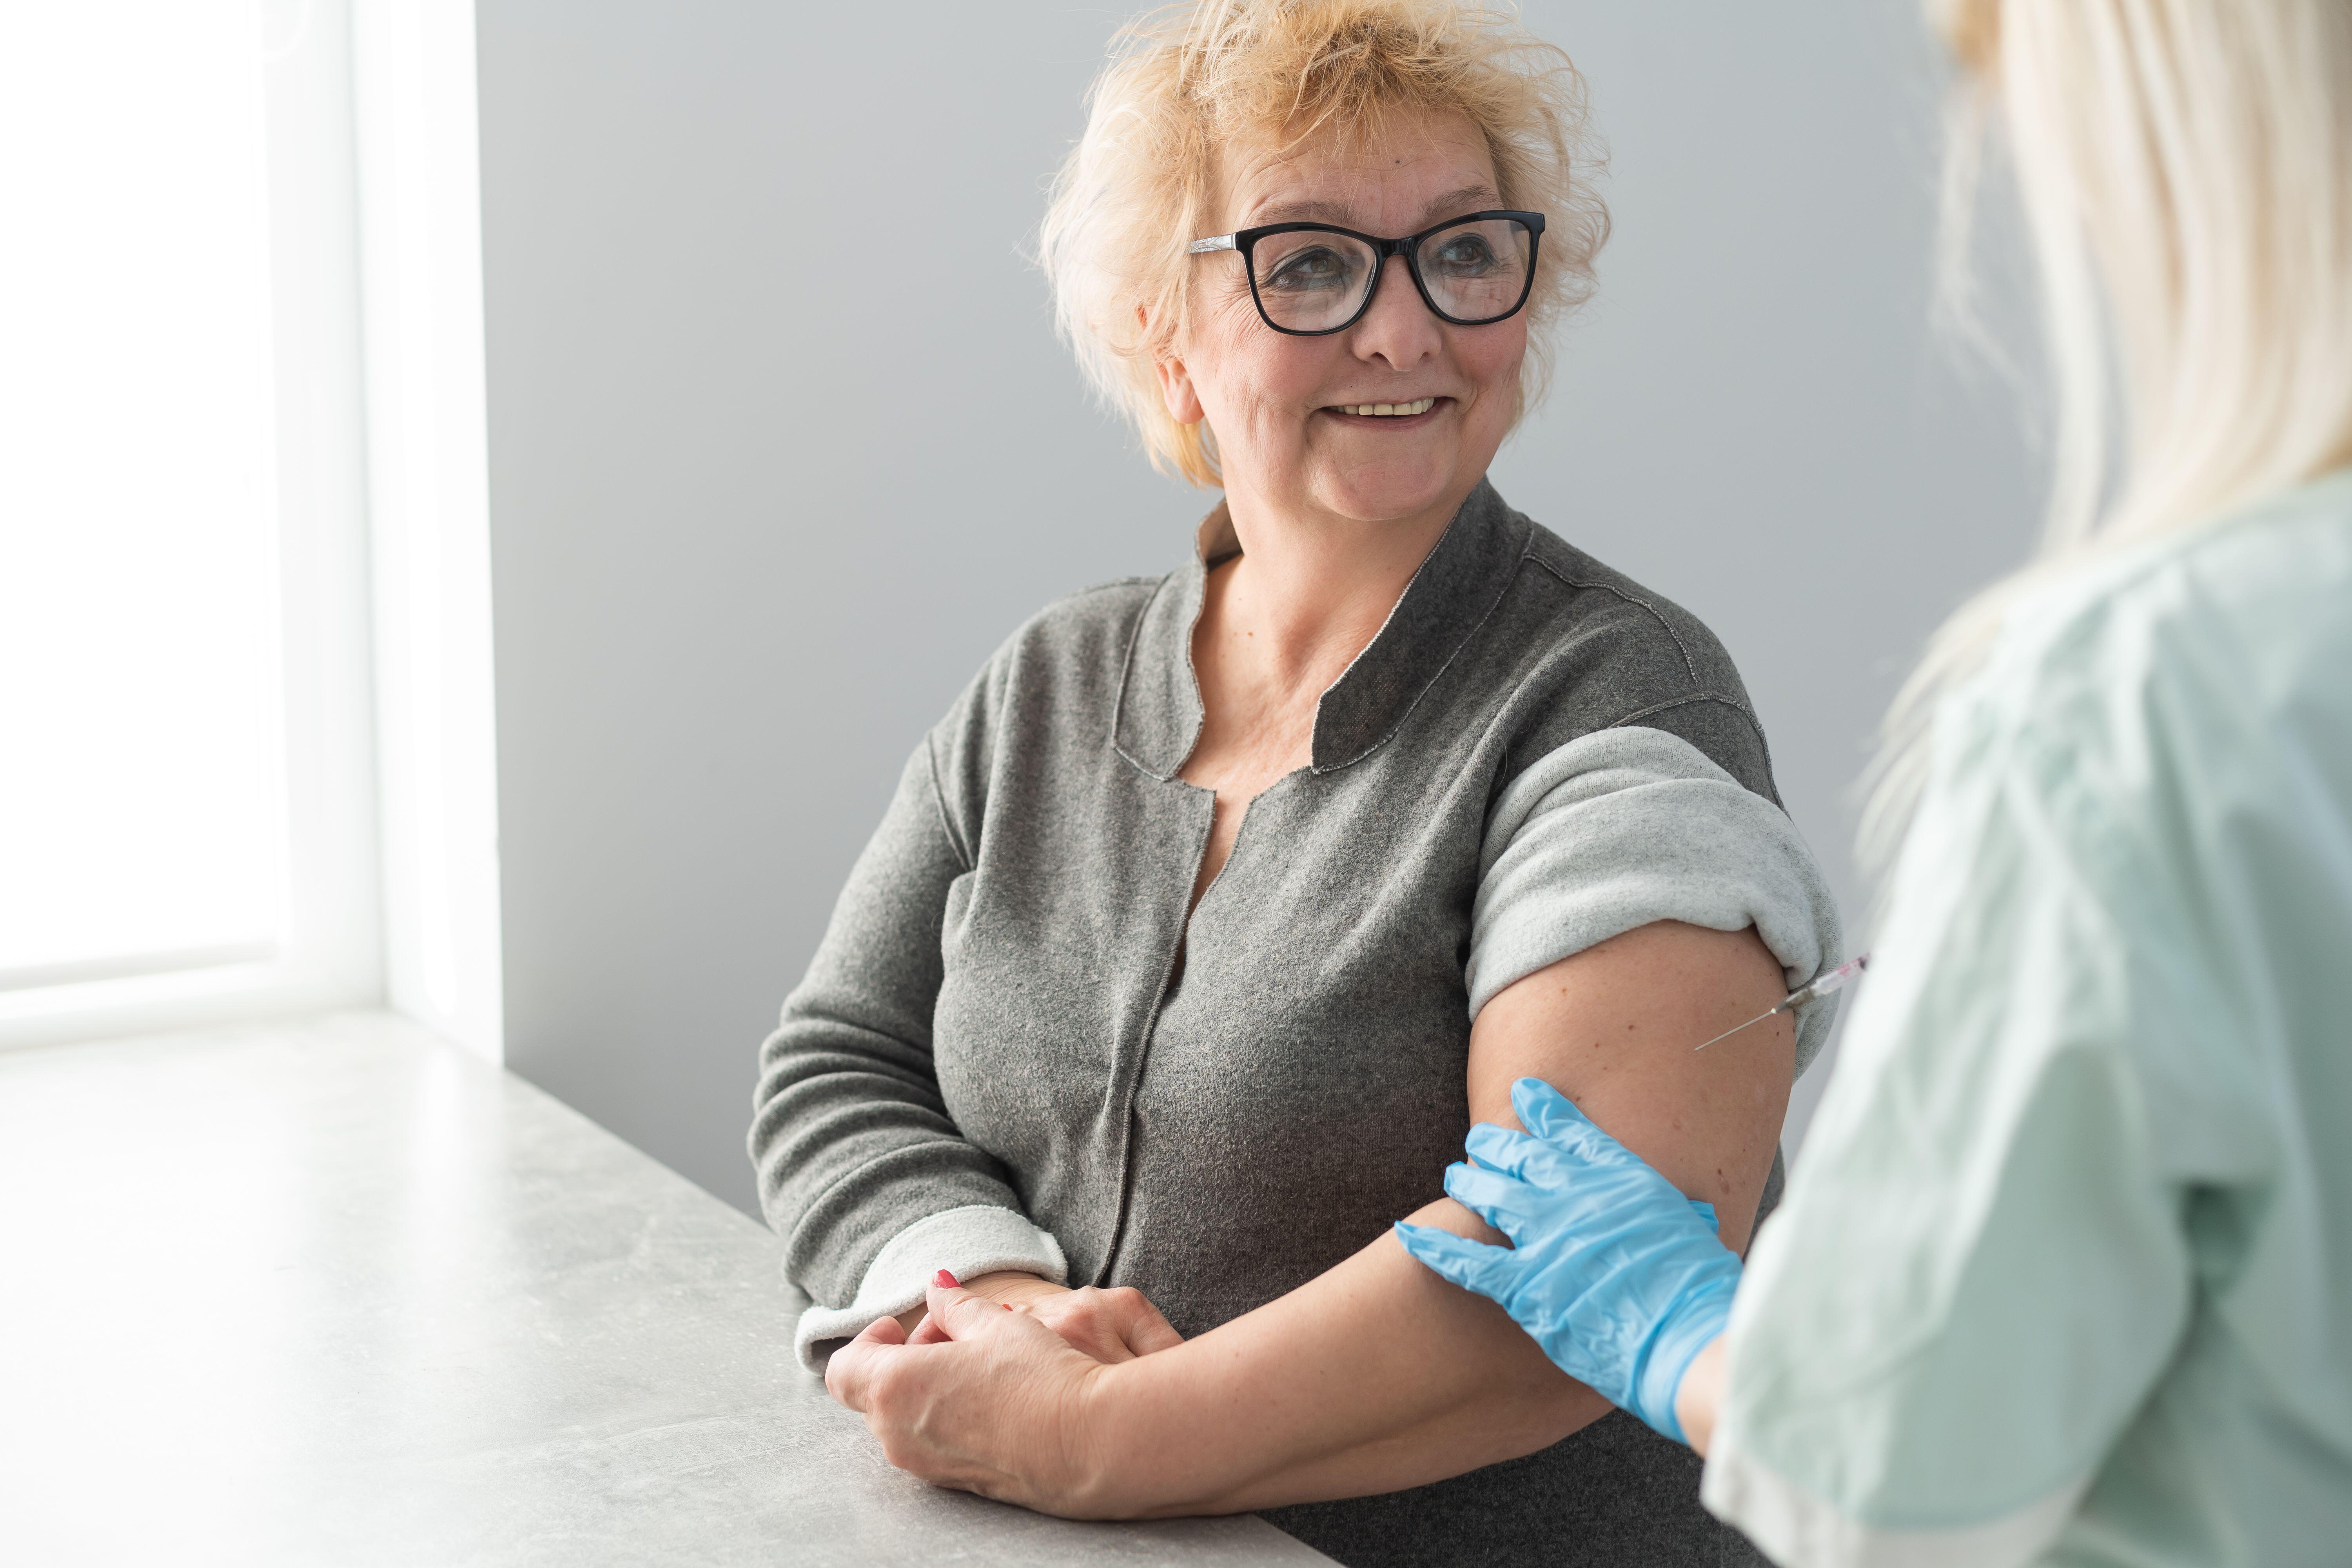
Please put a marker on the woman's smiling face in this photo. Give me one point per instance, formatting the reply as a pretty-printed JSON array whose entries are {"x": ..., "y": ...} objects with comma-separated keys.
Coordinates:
[{"x": 1281, "y": 405}]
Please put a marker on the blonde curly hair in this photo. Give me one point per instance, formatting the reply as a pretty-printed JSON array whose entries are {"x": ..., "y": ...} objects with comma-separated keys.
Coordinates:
[{"x": 1191, "y": 80}]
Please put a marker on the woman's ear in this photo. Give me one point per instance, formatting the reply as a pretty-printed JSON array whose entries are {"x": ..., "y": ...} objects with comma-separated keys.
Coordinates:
[
  {"x": 1175, "y": 381},
  {"x": 1176, "y": 388}
]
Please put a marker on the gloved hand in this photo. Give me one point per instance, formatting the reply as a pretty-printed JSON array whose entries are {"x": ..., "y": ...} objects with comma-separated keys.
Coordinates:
[{"x": 1618, "y": 1276}]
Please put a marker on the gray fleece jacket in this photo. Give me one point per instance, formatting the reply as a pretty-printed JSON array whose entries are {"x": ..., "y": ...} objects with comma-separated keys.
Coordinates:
[{"x": 996, "y": 1059}]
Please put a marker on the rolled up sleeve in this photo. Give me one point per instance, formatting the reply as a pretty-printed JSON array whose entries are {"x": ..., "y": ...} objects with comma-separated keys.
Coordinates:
[{"x": 1625, "y": 827}]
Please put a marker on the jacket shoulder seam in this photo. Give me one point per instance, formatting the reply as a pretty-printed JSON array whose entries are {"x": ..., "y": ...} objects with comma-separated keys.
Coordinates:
[{"x": 1690, "y": 667}]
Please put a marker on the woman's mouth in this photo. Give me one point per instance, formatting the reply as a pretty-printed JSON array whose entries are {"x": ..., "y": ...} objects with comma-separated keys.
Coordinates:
[{"x": 1390, "y": 414}]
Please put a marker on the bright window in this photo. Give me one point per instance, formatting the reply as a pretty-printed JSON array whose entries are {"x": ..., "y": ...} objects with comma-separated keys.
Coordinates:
[
  {"x": 143, "y": 820},
  {"x": 246, "y": 739}
]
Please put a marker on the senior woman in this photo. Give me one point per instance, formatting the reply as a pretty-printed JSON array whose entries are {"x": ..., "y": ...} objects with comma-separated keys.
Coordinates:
[{"x": 1302, "y": 852}]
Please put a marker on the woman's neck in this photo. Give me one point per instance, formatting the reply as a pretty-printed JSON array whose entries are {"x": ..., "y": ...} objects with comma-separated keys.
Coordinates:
[{"x": 1308, "y": 593}]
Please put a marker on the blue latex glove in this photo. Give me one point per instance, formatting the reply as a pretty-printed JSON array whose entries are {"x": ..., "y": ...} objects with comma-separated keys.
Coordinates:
[{"x": 1618, "y": 1276}]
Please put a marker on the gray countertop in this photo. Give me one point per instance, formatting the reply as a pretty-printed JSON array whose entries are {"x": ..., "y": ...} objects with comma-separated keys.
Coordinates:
[{"x": 336, "y": 1293}]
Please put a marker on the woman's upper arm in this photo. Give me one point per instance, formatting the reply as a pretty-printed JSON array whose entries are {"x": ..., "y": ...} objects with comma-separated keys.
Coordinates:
[
  {"x": 1614, "y": 1028},
  {"x": 1635, "y": 900}
]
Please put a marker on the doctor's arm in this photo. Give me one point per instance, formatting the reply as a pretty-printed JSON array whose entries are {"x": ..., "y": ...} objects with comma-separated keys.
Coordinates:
[{"x": 1276, "y": 1406}]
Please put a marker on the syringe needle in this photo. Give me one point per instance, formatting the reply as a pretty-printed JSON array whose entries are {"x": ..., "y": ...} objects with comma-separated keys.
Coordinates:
[
  {"x": 1736, "y": 1028},
  {"x": 1835, "y": 980}
]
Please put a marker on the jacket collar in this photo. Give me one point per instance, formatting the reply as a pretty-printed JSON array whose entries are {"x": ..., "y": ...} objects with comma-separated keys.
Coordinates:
[{"x": 1159, "y": 717}]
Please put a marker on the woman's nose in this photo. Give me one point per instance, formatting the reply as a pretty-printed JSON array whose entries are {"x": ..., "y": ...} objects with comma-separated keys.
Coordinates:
[{"x": 1399, "y": 328}]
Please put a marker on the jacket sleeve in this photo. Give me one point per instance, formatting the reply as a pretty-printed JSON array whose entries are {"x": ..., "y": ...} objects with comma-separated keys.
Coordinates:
[
  {"x": 861, "y": 1169},
  {"x": 1632, "y": 824}
]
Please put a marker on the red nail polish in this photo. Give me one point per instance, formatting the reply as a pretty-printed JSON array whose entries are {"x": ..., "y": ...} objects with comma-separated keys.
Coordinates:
[{"x": 946, "y": 1280}]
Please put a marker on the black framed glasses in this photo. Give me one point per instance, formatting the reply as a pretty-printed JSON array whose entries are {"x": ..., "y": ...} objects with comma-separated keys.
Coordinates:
[{"x": 1310, "y": 278}]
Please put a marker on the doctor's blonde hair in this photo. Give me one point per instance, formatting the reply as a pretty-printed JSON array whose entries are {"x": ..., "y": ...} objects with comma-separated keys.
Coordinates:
[
  {"x": 1188, "y": 81},
  {"x": 2185, "y": 168}
]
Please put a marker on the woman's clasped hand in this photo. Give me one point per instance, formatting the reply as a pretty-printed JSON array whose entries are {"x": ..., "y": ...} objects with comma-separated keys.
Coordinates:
[
  {"x": 1110, "y": 1325},
  {"x": 1003, "y": 1397}
]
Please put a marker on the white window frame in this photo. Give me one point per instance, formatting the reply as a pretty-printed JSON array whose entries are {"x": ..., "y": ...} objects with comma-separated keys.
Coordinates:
[
  {"x": 382, "y": 487},
  {"x": 420, "y": 227}
]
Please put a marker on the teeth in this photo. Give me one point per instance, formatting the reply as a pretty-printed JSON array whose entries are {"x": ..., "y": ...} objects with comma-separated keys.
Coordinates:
[{"x": 1419, "y": 406}]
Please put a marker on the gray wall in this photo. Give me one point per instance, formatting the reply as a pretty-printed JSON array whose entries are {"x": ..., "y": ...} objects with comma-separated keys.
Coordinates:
[{"x": 749, "y": 543}]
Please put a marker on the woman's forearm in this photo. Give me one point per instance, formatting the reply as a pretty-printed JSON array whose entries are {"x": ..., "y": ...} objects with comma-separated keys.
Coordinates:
[{"x": 1374, "y": 1376}]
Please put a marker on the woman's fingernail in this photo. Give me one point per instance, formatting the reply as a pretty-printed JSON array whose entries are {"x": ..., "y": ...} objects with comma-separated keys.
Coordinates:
[{"x": 946, "y": 1280}]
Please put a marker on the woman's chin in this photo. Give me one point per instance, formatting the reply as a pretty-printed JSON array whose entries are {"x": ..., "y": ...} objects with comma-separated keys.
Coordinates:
[{"x": 1378, "y": 494}]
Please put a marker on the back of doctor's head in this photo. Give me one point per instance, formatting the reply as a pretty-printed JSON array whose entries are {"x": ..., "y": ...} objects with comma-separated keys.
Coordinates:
[
  {"x": 2186, "y": 167},
  {"x": 2186, "y": 172}
]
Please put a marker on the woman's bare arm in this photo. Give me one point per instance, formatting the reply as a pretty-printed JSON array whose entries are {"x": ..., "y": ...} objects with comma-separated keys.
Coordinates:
[
  {"x": 1614, "y": 1028},
  {"x": 1377, "y": 1374}
]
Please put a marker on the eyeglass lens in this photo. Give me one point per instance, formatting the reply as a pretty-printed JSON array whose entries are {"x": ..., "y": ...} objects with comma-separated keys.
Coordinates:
[{"x": 1311, "y": 280}]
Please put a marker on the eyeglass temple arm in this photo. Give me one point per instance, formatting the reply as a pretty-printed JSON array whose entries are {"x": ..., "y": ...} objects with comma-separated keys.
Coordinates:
[{"x": 1221, "y": 242}]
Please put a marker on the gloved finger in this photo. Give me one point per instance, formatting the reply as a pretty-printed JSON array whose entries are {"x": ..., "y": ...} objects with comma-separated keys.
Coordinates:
[
  {"x": 1552, "y": 1115},
  {"x": 1503, "y": 1202},
  {"x": 1515, "y": 1154},
  {"x": 1554, "y": 1118},
  {"x": 1706, "y": 1212},
  {"x": 1485, "y": 1270},
  {"x": 1543, "y": 1109}
]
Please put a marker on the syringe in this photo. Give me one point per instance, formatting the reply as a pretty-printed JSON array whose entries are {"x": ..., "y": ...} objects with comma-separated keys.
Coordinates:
[{"x": 1835, "y": 980}]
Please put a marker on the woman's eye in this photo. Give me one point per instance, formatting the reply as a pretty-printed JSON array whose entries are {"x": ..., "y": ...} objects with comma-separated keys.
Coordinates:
[
  {"x": 1465, "y": 254},
  {"x": 1318, "y": 268}
]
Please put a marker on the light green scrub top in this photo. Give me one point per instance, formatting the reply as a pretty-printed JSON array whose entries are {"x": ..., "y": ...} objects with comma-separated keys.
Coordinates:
[{"x": 2064, "y": 1271}]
